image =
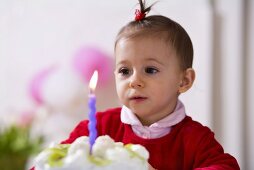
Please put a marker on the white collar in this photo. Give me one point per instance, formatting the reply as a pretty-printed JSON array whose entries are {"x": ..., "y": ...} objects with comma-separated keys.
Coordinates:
[{"x": 157, "y": 129}]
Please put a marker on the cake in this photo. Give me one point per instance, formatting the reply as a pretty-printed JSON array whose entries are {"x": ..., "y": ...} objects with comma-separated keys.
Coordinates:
[{"x": 106, "y": 155}]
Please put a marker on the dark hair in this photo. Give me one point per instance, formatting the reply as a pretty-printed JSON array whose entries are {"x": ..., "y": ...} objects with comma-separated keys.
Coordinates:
[{"x": 161, "y": 27}]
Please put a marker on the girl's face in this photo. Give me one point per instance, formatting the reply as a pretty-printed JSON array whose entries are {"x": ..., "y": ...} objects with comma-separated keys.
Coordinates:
[{"x": 148, "y": 77}]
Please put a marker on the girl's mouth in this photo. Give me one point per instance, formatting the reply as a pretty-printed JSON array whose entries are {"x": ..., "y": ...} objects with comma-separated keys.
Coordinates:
[{"x": 138, "y": 98}]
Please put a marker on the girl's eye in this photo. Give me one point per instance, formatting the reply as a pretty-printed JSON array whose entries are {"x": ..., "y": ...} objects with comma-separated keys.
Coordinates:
[
  {"x": 124, "y": 71},
  {"x": 151, "y": 70}
]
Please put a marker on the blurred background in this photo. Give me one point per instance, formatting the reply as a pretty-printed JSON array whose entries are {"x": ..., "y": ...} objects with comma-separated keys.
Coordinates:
[{"x": 49, "y": 49}]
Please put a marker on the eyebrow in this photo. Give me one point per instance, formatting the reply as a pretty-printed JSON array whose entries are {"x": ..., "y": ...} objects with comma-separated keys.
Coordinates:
[
  {"x": 154, "y": 60},
  {"x": 122, "y": 62},
  {"x": 148, "y": 59}
]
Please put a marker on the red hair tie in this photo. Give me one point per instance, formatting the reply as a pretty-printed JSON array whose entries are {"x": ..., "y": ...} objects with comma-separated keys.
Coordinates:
[{"x": 139, "y": 15}]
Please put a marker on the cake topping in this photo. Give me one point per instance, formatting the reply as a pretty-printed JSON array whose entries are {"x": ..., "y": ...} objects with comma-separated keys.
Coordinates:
[{"x": 106, "y": 153}]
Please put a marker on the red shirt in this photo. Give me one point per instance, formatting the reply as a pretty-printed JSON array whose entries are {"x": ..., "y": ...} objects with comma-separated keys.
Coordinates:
[{"x": 189, "y": 145}]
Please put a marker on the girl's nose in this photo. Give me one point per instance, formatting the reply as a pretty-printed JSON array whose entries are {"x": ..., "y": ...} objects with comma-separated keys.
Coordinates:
[{"x": 136, "y": 82}]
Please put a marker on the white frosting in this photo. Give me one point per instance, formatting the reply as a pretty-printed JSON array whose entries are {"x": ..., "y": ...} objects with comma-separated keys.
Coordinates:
[{"x": 107, "y": 155}]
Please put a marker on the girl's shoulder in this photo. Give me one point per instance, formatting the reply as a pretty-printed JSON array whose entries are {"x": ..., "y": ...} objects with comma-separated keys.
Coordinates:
[
  {"x": 194, "y": 130},
  {"x": 109, "y": 114}
]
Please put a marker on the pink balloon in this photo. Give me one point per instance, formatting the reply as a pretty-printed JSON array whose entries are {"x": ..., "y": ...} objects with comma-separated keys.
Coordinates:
[
  {"x": 25, "y": 118},
  {"x": 89, "y": 59},
  {"x": 36, "y": 84}
]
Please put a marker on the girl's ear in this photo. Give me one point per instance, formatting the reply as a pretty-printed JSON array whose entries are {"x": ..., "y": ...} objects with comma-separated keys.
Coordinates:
[{"x": 187, "y": 80}]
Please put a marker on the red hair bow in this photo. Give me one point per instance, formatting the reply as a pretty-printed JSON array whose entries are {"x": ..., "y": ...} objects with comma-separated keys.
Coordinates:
[{"x": 139, "y": 15}]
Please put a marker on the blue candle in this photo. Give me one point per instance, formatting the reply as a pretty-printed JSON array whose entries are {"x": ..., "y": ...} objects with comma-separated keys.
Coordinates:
[
  {"x": 92, "y": 111},
  {"x": 92, "y": 120}
]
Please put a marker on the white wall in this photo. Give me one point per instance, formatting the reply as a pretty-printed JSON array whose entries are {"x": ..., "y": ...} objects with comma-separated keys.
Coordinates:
[
  {"x": 229, "y": 17},
  {"x": 249, "y": 148}
]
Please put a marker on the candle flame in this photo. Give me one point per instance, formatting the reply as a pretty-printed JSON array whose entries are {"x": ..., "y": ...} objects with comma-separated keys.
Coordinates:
[{"x": 93, "y": 80}]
